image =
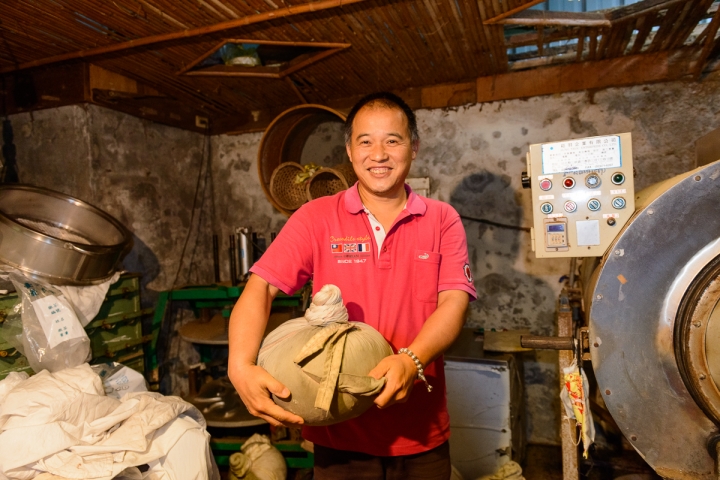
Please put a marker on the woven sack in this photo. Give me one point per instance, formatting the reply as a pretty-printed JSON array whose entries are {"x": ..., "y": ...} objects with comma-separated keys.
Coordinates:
[{"x": 324, "y": 360}]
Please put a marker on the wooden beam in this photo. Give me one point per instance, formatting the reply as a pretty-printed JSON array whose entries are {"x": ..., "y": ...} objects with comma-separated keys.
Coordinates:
[
  {"x": 564, "y": 19},
  {"x": 640, "y": 9},
  {"x": 616, "y": 72},
  {"x": 513, "y": 11},
  {"x": 47, "y": 88},
  {"x": 441, "y": 96},
  {"x": 156, "y": 40},
  {"x": 712, "y": 29}
]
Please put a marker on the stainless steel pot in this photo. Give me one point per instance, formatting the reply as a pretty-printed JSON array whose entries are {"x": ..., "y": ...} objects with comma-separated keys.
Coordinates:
[{"x": 58, "y": 238}]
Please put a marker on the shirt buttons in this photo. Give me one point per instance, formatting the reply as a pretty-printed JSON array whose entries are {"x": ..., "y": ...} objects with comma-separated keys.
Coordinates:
[
  {"x": 377, "y": 228},
  {"x": 384, "y": 249}
]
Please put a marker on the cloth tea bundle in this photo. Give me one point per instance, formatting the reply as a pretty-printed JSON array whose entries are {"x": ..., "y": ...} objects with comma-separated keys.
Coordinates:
[{"x": 324, "y": 360}]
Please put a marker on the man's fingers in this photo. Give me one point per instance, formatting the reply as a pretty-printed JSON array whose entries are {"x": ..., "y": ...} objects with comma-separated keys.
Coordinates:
[{"x": 279, "y": 390}]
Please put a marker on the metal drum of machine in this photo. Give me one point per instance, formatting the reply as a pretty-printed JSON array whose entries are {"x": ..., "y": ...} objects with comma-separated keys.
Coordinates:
[
  {"x": 58, "y": 238},
  {"x": 653, "y": 307}
]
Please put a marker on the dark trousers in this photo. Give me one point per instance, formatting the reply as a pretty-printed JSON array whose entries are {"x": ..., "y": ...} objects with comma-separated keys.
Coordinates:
[{"x": 331, "y": 464}]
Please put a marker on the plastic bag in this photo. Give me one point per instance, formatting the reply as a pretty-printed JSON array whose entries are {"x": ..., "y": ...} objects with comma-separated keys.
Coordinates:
[
  {"x": 52, "y": 337},
  {"x": 324, "y": 360},
  {"x": 119, "y": 380}
]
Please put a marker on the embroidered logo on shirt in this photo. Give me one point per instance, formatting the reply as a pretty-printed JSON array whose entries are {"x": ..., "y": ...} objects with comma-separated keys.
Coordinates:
[
  {"x": 350, "y": 248},
  {"x": 336, "y": 247},
  {"x": 468, "y": 273},
  {"x": 424, "y": 256},
  {"x": 363, "y": 247}
]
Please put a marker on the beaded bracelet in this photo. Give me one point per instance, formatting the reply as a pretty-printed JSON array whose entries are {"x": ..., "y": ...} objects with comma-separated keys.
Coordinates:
[{"x": 418, "y": 365}]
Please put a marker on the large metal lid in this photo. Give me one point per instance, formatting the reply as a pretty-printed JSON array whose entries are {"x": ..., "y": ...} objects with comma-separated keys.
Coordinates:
[{"x": 59, "y": 238}]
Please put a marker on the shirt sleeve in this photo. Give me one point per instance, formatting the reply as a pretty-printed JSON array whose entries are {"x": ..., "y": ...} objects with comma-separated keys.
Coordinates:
[
  {"x": 288, "y": 262},
  {"x": 455, "y": 272}
]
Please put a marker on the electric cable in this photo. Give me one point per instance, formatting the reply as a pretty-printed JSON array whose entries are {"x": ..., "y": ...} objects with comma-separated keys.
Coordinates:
[
  {"x": 194, "y": 207},
  {"x": 495, "y": 224}
]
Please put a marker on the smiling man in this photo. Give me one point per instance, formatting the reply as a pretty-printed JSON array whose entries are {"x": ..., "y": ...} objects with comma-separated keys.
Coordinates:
[{"x": 401, "y": 263}]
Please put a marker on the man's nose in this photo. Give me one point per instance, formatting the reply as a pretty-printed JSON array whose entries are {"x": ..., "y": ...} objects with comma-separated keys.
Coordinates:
[{"x": 378, "y": 152}]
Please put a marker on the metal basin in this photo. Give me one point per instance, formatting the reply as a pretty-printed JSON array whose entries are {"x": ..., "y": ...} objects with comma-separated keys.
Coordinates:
[{"x": 58, "y": 238}]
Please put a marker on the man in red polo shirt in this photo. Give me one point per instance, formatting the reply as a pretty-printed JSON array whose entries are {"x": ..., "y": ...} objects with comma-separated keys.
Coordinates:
[{"x": 401, "y": 263}]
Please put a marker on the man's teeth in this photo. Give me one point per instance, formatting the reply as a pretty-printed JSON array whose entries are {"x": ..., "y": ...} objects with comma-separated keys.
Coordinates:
[{"x": 379, "y": 170}]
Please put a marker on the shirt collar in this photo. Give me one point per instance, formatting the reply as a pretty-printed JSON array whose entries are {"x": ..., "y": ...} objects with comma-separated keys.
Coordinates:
[{"x": 415, "y": 204}]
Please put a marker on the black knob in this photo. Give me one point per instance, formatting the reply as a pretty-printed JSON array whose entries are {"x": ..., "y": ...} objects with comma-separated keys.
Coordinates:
[{"x": 525, "y": 180}]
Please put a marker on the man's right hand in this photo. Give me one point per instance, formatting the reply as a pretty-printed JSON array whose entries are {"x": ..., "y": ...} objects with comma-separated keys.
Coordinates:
[{"x": 255, "y": 386}]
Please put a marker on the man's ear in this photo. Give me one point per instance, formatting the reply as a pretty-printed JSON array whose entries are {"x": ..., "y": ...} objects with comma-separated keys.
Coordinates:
[
  {"x": 415, "y": 147},
  {"x": 347, "y": 150}
]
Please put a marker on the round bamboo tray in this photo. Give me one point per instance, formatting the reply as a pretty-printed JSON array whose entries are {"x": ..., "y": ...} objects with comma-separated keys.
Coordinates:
[
  {"x": 284, "y": 139},
  {"x": 329, "y": 181},
  {"x": 283, "y": 189}
]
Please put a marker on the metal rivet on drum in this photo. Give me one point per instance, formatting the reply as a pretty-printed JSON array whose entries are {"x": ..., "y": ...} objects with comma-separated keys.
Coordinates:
[
  {"x": 650, "y": 212},
  {"x": 702, "y": 376},
  {"x": 633, "y": 438},
  {"x": 697, "y": 324},
  {"x": 596, "y": 344},
  {"x": 698, "y": 178},
  {"x": 607, "y": 392},
  {"x": 598, "y": 297}
]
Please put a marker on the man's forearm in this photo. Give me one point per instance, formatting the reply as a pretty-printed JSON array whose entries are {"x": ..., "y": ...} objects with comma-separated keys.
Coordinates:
[{"x": 248, "y": 321}]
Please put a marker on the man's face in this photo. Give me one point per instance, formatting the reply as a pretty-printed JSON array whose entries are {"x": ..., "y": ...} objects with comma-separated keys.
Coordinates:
[{"x": 381, "y": 150}]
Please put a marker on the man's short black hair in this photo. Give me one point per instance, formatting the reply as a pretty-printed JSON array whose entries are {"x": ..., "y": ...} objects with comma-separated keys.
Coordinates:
[{"x": 387, "y": 100}]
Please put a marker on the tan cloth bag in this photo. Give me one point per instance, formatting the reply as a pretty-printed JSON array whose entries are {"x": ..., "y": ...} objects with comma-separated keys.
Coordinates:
[{"x": 324, "y": 360}]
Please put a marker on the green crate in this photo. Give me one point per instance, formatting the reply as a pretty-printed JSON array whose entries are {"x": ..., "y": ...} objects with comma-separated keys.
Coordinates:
[
  {"x": 128, "y": 282},
  {"x": 108, "y": 339},
  {"x": 120, "y": 305},
  {"x": 137, "y": 364},
  {"x": 13, "y": 362},
  {"x": 115, "y": 333},
  {"x": 129, "y": 355},
  {"x": 7, "y": 306}
]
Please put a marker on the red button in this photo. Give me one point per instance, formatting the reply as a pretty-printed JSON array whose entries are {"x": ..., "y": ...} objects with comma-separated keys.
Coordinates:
[
  {"x": 545, "y": 184},
  {"x": 377, "y": 228},
  {"x": 569, "y": 182},
  {"x": 384, "y": 249}
]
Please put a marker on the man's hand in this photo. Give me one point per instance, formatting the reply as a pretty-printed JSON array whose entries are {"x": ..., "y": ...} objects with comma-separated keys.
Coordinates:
[
  {"x": 255, "y": 384},
  {"x": 400, "y": 372}
]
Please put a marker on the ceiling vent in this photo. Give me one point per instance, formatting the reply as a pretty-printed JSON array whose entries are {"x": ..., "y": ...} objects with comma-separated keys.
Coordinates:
[{"x": 260, "y": 58}]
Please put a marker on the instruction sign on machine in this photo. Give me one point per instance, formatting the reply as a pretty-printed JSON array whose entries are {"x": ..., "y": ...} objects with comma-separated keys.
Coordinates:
[{"x": 582, "y": 194}]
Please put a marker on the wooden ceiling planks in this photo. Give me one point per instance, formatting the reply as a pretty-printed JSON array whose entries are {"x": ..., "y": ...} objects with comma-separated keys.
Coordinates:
[{"x": 396, "y": 44}]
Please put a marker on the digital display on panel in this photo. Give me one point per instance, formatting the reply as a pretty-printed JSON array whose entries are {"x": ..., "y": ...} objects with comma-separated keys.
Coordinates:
[{"x": 560, "y": 227}]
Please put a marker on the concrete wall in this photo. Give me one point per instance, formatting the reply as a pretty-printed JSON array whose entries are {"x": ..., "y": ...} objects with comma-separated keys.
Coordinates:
[{"x": 146, "y": 175}]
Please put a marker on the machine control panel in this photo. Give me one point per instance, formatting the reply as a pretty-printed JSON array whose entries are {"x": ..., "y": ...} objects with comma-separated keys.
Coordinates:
[{"x": 582, "y": 194}]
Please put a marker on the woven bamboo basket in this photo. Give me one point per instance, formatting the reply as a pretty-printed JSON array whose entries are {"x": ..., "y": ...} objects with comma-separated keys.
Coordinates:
[
  {"x": 288, "y": 194},
  {"x": 329, "y": 181},
  {"x": 285, "y": 139},
  {"x": 326, "y": 181},
  {"x": 346, "y": 169}
]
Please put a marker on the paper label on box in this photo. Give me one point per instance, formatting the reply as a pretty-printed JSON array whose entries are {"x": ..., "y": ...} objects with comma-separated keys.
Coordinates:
[{"x": 59, "y": 323}]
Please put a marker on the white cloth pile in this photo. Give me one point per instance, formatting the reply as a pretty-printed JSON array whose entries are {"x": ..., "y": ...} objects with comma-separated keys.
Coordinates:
[{"x": 63, "y": 425}]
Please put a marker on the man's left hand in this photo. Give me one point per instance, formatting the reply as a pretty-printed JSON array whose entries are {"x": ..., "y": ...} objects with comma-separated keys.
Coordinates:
[{"x": 400, "y": 372}]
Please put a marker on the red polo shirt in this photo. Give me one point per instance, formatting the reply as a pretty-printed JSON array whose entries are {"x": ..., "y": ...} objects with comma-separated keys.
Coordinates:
[{"x": 425, "y": 252}]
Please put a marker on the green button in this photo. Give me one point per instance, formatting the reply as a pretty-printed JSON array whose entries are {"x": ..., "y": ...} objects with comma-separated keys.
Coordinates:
[{"x": 618, "y": 178}]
